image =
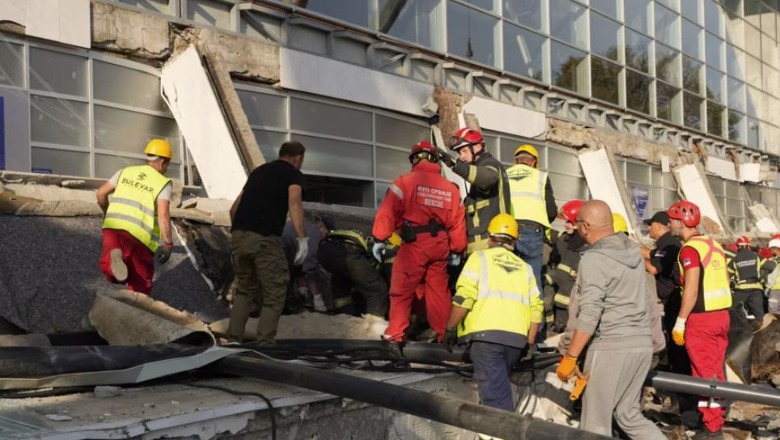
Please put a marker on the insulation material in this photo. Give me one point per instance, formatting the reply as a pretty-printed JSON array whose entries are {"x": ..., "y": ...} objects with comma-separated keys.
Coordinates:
[
  {"x": 693, "y": 183},
  {"x": 67, "y": 22},
  {"x": 765, "y": 220},
  {"x": 507, "y": 118},
  {"x": 722, "y": 167},
  {"x": 188, "y": 91},
  {"x": 604, "y": 184}
]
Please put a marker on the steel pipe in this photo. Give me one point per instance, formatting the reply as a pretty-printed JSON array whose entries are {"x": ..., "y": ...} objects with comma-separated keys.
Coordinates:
[
  {"x": 451, "y": 411},
  {"x": 712, "y": 388}
]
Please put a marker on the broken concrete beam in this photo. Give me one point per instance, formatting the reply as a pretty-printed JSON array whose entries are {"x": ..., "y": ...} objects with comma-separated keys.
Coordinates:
[
  {"x": 129, "y": 32},
  {"x": 243, "y": 57},
  {"x": 450, "y": 106}
]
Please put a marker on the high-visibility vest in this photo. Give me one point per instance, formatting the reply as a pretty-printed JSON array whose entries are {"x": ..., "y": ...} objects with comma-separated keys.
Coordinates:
[
  {"x": 714, "y": 290},
  {"x": 746, "y": 268},
  {"x": 349, "y": 236},
  {"x": 133, "y": 206},
  {"x": 526, "y": 186},
  {"x": 500, "y": 290},
  {"x": 482, "y": 205}
]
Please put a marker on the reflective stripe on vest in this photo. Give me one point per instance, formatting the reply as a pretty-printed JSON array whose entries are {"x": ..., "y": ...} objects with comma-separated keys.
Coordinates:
[
  {"x": 132, "y": 207},
  {"x": 526, "y": 185},
  {"x": 350, "y": 236},
  {"x": 717, "y": 292}
]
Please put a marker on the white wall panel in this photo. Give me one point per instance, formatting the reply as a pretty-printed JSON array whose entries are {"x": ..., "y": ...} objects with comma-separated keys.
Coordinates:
[
  {"x": 696, "y": 189},
  {"x": 507, "y": 118},
  {"x": 66, "y": 21},
  {"x": 604, "y": 184}
]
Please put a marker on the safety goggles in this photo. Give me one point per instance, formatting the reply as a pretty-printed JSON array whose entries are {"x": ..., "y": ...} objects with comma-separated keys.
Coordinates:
[{"x": 457, "y": 143}]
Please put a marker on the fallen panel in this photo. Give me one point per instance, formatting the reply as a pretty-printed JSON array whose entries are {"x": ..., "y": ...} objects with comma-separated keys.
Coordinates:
[
  {"x": 507, "y": 118},
  {"x": 693, "y": 183},
  {"x": 189, "y": 93},
  {"x": 604, "y": 184},
  {"x": 66, "y": 22}
]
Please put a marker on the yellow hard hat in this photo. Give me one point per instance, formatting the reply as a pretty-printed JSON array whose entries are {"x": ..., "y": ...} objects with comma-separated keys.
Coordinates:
[
  {"x": 503, "y": 225},
  {"x": 619, "y": 223},
  {"x": 527, "y": 148},
  {"x": 159, "y": 147},
  {"x": 394, "y": 239}
]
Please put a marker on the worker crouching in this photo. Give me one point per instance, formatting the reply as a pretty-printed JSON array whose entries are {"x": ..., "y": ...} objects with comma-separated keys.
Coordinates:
[{"x": 497, "y": 310}]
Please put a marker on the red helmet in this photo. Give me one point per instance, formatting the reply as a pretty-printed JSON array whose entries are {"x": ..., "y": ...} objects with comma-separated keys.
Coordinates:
[
  {"x": 466, "y": 137},
  {"x": 425, "y": 150},
  {"x": 765, "y": 253},
  {"x": 732, "y": 247},
  {"x": 743, "y": 241},
  {"x": 776, "y": 237},
  {"x": 685, "y": 211},
  {"x": 570, "y": 210}
]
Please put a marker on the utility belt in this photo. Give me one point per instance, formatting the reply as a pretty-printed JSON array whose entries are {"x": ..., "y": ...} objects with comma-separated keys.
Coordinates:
[
  {"x": 409, "y": 232},
  {"x": 566, "y": 269},
  {"x": 748, "y": 284}
]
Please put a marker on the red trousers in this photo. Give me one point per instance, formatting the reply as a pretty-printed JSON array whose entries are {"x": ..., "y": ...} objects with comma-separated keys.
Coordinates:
[
  {"x": 706, "y": 339},
  {"x": 420, "y": 270},
  {"x": 138, "y": 258}
]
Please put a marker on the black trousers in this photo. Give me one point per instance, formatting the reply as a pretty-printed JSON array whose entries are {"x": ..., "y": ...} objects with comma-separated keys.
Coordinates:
[{"x": 753, "y": 299}]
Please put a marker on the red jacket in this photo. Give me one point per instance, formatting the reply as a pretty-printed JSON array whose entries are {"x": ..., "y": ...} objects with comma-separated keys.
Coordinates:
[{"x": 418, "y": 196}]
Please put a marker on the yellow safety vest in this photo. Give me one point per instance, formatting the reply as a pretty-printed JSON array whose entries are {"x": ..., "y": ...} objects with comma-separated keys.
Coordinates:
[
  {"x": 714, "y": 290},
  {"x": 499, "y": 289},
  {"x": 133, "y": 206},
  {"x": 350, "y": 236},
  {"x": 526, "y": 186}
]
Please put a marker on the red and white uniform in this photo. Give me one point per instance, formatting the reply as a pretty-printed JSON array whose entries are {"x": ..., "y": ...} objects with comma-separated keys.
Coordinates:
[{"x": 415, "y": 199}]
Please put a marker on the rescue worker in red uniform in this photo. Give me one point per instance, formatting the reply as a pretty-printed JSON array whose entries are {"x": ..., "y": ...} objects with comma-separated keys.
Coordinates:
[
  {"x": 489, "y": 194},
  {"x": 426, "y": 209},
  {"x": 703, "y": 321}
]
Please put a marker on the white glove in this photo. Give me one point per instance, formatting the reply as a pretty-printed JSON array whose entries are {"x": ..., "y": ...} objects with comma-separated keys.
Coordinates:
[
  {"x": 378, "y": 250},
  {"x": 303, "y": 250},
  {"x": 454, "y": 260},
  {"x": 678, "y": 332}
]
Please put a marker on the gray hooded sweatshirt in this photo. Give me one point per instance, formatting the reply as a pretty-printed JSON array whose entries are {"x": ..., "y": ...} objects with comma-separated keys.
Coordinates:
[{"x": 613, "y": 304}]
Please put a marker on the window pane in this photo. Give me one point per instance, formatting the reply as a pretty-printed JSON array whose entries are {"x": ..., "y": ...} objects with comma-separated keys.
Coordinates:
[
  {"x": 604, "y": 36},
  {"x": 714, "y": 85},
  {"x": 317, "y": 117},
  {"x": 752, "y": 36},
  {"x": 667, "y": 102},
  {"x": 736, "y": 62},
  {"x": 264, "y": 110},
  {"x": 735, "y": 29},
  {"x": 488, "y": 5},
  {"x": 638, "y": 91},
  {"x": 327, "y": 156},
  {"x": 259, "y": 25},
  {"x": 523, "y": 52},
  {"x": 391, "y": 163},
  {"x": 752, "y": 133},
  {"x": 568, "y": 22},
  {"x": 692, "y": 71},
  {"x": 712, "y": 17},
  {"x": 690, "y": 10},
  {"x": 152, "y": 5},
  {"x": 568, "y": 187},
  {"x": 667, "y": 26},
  {"x": 691, "y": 39},
  {"x": 674, "y": 5},
  {"x": 715, "y": 118},
  {"x": 210, "y": 12},
  {"x": 692, "y": 110},
  {"x": 391, "y": 131},
  {"x": 637, "y": 16},
  {"x": 338, "y": 191},
  {"x": 733, "y": 5},
  {"x": 138, "y": 89},
  {"x": 269, "y": 143},
  {"x": 69, "y": 163},
  {"x": 753, "y": 68},
  {"x": 637, "y": 173},
  {"x": 713, "y": 46},
  {"x": 128, "y": 132},
  {"x": 356, "y": 13},
  {"x": 58, "y": 72},
  {"x": 525, "y": 12},
  {"x": 59, "y": 121},
  {"x": 563, "y": 162},
  {"x": 736, "y": 94},
  {"x": 667, "y": 64},
  {"x": 605, "y": 79},
  {"x": 768, "y": 25},
  {"x": 417, "y": 22},
  {"x": 106, "y": 165},
  {"x": 569, "y": 68},
  {"x": 608, "y": 7},
  {"x": 471, "y": 34},
  {"x": 637, "y": 51},
  {"x": 11, "y": 64}
]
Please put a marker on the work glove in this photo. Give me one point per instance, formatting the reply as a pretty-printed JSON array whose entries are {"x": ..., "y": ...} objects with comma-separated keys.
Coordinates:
[
  {"x": 302, "y": 251},
  {"x": 450, "y": 338},
  {"x": 378, "y": 250},
  {"x": 567, "y": 368},
  {"x": 449, "y": 158},
  {"x": 678, "y": 332},
  {"x": 529, "y": 354},
  {"x": 164, "y": 253},
  {"x": 454, "y": 260}
]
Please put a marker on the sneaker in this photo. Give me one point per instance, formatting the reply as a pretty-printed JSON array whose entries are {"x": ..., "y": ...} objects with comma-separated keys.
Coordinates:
[
  {"x": 319, "y": 304},
  {"x": 705, "y": 434},
  {"x": 118, "y": 267}
]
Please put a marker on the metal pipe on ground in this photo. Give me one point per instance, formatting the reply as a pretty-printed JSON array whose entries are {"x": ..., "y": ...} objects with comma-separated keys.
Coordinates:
[
  {"x": 451, "y": 411},
  {"x": 712, "y": 388}
]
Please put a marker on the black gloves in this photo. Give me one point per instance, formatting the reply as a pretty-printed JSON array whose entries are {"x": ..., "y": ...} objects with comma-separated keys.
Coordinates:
[
  {"x": 164, "y": 253},
  {"x": 450, "y": 338}
]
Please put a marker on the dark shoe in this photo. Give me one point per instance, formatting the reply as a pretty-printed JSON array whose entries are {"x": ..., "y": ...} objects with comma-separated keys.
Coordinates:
[
  {"x": 118, "y": 266},
  {"x": 705, "y": 434}
]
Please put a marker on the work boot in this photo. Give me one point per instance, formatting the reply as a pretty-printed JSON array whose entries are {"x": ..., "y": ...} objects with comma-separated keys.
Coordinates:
[
  {"x": 118, "y": 266},
  {"x": 705, "y": 434}
]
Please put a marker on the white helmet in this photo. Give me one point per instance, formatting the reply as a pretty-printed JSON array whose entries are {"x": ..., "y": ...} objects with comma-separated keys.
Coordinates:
[{"x": 774, "y": 243}]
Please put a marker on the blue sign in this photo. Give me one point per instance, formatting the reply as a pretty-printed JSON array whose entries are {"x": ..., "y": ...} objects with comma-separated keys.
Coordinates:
[
  {"x": 2, "y": 134},
  {"x": 640, "y": 198}
]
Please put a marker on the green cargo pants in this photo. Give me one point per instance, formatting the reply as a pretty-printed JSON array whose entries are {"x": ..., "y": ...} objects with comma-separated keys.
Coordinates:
[{"x": 261, "y": 277}]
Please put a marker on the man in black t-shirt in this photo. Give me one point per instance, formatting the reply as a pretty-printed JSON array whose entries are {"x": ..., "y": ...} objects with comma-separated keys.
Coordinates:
[{"x": 258, "y": 216}]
